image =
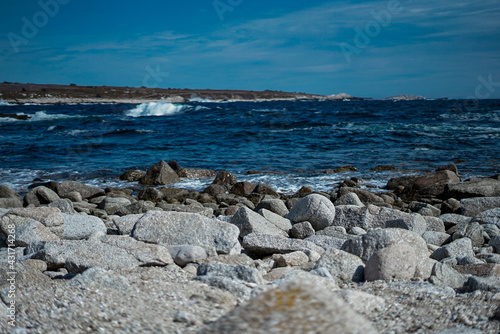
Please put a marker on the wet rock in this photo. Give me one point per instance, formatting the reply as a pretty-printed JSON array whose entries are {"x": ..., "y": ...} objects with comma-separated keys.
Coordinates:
[
  {"x": 65, "y": 188},
  {"x": 298, "y": 307},
  {"x": 243, "y": 188},
  {"x": 225, "y": 179},
  {"x": 433, "y": 184},
  {"x": 160, "y": 174},
  {"x": 132, "y": 175},
  {"x": 178, "y": 228},
  {"x": 316, "y": 209},
  {"x": 249, "y": 221},
  {"x": 264, "y": 189}
]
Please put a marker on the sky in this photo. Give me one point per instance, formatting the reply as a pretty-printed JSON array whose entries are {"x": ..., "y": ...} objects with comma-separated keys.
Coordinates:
[{"x": 363, "y": 48}]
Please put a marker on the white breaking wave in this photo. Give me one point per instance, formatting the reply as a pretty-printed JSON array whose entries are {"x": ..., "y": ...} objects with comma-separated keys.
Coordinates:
[
  {"x": 5, "y": 103},
  {"x": 156, "y": 109}
]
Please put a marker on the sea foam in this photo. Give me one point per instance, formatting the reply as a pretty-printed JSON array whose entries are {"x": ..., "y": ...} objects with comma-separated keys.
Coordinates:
[{"x": 156, "y": 109}]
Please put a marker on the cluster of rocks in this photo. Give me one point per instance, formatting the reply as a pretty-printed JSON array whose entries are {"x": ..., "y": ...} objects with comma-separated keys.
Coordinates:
[{"x": 348, "y": 261}]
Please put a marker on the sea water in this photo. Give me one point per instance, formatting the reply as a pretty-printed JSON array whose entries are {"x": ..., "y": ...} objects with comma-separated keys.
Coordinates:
[{"x": 288, "y": 143}]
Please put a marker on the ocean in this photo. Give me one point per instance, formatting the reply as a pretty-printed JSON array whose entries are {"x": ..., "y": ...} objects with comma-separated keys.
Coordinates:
[{"x": 287, "y": 145}]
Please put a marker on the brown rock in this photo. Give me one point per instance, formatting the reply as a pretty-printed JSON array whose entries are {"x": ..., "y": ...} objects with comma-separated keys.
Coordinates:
[{"x": 160, "y": 174}]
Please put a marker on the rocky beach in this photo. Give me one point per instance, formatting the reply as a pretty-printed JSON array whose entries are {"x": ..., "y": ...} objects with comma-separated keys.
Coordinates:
[{"x": 420, "y": 256}]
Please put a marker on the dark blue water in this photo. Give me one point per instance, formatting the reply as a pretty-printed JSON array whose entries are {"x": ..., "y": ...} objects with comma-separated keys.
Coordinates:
[{"x": 95, "y": 143}]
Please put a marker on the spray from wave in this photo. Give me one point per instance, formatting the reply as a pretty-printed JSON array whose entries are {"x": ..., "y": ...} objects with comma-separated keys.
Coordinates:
[
  {"x": 156, "y": 109},
  {"x": 4, "y": 103}
]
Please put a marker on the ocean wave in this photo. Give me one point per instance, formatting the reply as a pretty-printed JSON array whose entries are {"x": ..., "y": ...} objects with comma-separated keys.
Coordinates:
[
  {"x": 156, "y": 109},
  {"x": 199, "y": 99},
  {"x": 4, "y": 103}
]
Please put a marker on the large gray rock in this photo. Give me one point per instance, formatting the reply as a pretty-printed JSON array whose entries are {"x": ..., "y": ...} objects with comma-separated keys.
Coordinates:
[
  {"x": 415, "y": 223},
  {"x": 363, "y": 195},
  {"x": 49, "y": 217},
  {"x": 436, "y": 238},
  {"x": 495, "y": 243},
  {"x": 485, "y": 283},
  {"x": 302, "y": 230},
  {"x": 249, "y": 221},
  {"x": 65, "y": 205},
  {"x": 80, "y": 227},
  {"x": 40, "y": 195},
  {"x": 178, "y": 228},
  {"x": 274, "y": 205},
  {"x": 160, "y": 174},
  {"x": 9, "y": 198},
  {"x": 184, "y": 254},
  {"x": 472, "y": 207},
  {"x": 369, "y": 217},
  {"x": 66, "y": 188},
  {"x": 298, "y": 307},
  {"x": 396, "y": 262},
  {"x": 108, "y": 252},
  {"x": 433, "y": 184},
  {"x": 112, "y": 204},
  {"x": 265, "y": 244},
  {"x": 326, "y": 242},
  {"x": 454, "y": 219},
  {"x": 444, "y": 275},
  {"x": 236, "y": 272},
  {"x": 366, "y": 245},
  {"x": 276, "y": 219},
  {"x": 344, "y": 267},
  {"x": 484, "y": 187},
  {"x": 32, "y": 233},
  {"x": 314, "y": 208},
  {"x": 491, "y": 216},
  {"x": 472, "y": 230},
  {"x": 460, "y": 247},
  {"x": 434, "y": 224},
  {"x": 9, "y": 203},
  {"x": 126, "y": 224},
  {"x": 349, "y": 199}
]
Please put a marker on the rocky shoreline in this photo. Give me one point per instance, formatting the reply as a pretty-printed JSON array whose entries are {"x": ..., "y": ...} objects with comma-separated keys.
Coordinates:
[{"x": 423, "y": 256}]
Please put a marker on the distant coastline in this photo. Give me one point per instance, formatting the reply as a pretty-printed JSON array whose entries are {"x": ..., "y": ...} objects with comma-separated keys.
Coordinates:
[{"x": 20, "y": 93}]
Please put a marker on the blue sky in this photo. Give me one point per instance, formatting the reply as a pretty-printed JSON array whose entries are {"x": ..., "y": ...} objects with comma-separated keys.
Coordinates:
[{"x": 430, "y": 48}]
